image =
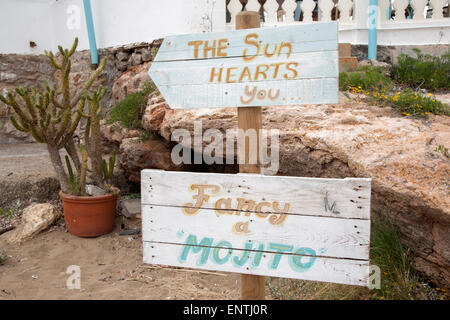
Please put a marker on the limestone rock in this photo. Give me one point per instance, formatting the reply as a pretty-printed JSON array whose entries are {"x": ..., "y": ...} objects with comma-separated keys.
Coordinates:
[
  {"x": 130, "y": 207},
  {"x": 136, "y": 59},
  {"x": 409, "y": 178},
  {"x": 136, "y": 155},
  {"x": 131, "y": 81},
  {"x": 35, "y": 218},
  {"x": 154, "y": 114}
]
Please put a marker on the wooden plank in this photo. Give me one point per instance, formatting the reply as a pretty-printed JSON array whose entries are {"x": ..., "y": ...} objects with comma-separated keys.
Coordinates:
[
  {"x": 232, "y": 70},
  {"x": 295, "y": 92},
  {"x": 340, "y": 198},
  {"x": 331, "y": 237},
  {"x": 305, "y": 91},
  {"x": 304, "y": 38},
  {"x": 354, "y": 272}
]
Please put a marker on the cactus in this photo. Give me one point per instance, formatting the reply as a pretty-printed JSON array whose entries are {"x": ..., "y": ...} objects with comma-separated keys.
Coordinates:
[{"x": 52, "y": 116}]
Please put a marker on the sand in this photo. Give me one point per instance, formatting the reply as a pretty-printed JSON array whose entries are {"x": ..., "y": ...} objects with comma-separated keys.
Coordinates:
[{"x": 111, "y": 268}]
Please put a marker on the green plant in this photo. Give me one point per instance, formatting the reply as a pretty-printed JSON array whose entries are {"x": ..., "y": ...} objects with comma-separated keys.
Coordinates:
[
  {"x": 410, "y": 103},
  {"x": 52, "y": 116},
  {"x": 92, "y": 149},
  {"x": 9, "y": 213},
  {"x": 3, "y": 258},
  {"x": 129, "y": 111},
  {"x": 366, "y": 78},
  {"x": 108, "y": 168},
  {"x": 423, "y": 71},
  {"x": 442, "y": 149}
]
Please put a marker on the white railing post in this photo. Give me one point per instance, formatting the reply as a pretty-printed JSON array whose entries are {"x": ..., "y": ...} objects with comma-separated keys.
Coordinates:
[
  {"x": 384, "y": 6},
  {"x": 400, "y": 7},
  {"x": 325, "y": 7},
  {"x": 419, "y": 9},
  {"x": 438, "y": 6},
  {"x": 271, "y": 7},
  {"x": 361, "y": 14},
  {"x": 253, "y": 5},
  {"x": 307, "y": 7},
  {"x": 234, "y": 7},
  {"x": 289, "y": 7},
  {"x": 344, "y": 7}
]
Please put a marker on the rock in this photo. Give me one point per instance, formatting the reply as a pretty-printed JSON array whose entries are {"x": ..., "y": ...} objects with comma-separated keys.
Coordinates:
[
  {"x": 130, "y": 81},
  {"x": 409, "y": 179},
  {"x": 136, "y": 155},
  {"x": 136, "y": 59},
  {"x": 375, "y": 63},
  {"x": 130, "y": 207},
  {"x": 114, "y": 133},
  {"x": 146, "y": 54},
  {"x": 35, "y": 218},
  {"x": 122, "y": 56},
  {"x": 154, "y": 114},
  {"x": 94, "y": 190}
]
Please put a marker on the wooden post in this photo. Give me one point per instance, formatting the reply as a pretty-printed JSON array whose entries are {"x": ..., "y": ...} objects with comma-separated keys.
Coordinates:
[{"x": 252, "y": 287}]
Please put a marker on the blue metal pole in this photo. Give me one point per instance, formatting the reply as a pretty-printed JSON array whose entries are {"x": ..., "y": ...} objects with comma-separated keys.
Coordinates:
[
  {"x": 91, "y": 31},
  {"x": 297, "y": 11},
  {"x": 373, "y": 31}
]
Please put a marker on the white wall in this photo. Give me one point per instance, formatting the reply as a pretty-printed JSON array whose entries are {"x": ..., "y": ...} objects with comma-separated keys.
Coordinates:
[
  {"x": 23, "y": 21},
  {"x": 117, "y": 22}
]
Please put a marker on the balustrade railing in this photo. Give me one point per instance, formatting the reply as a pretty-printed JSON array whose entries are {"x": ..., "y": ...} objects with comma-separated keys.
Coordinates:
[{"x": 298, "y": 11}]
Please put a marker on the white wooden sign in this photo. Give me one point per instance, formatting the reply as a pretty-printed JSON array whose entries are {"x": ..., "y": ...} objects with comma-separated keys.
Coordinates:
[
  {"x": 288, "y": 65},
  {"x": 291, "y": 227}
]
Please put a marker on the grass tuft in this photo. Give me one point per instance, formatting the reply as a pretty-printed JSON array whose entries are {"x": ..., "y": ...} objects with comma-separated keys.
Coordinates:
[{"x": 129, "y": 111}]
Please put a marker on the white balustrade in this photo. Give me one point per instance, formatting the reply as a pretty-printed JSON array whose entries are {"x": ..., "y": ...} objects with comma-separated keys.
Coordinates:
[
  {"x": 384, "y": 6},
  {"x": 325, "y": 7},
  {"x": 345, "y": 6},
  {"x": 438, "y": 6},
  {"x": 400, "y": 7},
  {"x": 307, "y": 7},
  {"x": 234, "y": 7},
  {"x": 419, "y": 9},
  {"x": 253, "y": 5},
  {"x": 271, "y": 8},
  {"x": 421, "y": 24},
  {"x": 289, "y": 7}
]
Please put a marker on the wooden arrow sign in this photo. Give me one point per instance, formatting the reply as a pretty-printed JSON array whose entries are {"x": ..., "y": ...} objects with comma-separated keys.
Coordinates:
[{"x": 255, "y": 67}]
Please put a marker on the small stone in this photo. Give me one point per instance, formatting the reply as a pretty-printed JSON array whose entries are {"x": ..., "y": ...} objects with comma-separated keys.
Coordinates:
[
  {"x": 146, "y": 54},
  {"x": 136, "y": 59},
  {"x": 94, "y": 190},
  {"x": 131, "y": 207},
  {"x": 122, "y": 56},
  {"x": 35, "y": 218}
]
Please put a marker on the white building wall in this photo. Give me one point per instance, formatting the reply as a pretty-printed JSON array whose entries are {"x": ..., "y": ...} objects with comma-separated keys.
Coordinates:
[{"x": 50, "y": 23}]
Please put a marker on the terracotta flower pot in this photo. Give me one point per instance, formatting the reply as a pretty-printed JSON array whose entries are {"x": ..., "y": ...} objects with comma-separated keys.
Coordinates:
[{"x": 89, "y": 216}]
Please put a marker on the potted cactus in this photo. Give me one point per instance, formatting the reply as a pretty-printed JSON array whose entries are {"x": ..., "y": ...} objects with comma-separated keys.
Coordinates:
[{"x": 52, "y": 117}]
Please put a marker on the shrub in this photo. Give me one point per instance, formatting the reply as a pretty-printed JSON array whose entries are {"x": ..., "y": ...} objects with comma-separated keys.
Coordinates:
[
  {"x": 410, "y": 103},
  {"x": 129, "y": 111},
  {"x": 423, "y": 71},
  {"x": 367, "y": 78},
  {"x": 3, "y": 258}
]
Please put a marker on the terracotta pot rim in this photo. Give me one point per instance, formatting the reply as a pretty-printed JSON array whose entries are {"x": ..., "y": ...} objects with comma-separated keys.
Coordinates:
[{"x": 85, "y": 199}]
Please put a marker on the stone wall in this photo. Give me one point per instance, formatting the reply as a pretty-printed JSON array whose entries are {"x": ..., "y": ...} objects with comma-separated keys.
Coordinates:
[
  {"x": 33, "y": 70},
  {"x": 390, "y": 54}
]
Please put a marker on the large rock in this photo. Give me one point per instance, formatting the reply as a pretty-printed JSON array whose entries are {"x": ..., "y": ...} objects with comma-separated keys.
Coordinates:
[
  {"x": 409, "y": 178},
  {"x": 35, "y": 218},
  {"x": 131, "y": 81},
  {"x": 136, "y": 155}
]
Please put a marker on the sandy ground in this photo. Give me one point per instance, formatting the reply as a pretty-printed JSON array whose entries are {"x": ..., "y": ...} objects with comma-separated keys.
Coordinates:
[{"x": 111, "y": 268}]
